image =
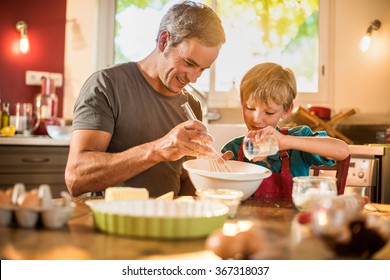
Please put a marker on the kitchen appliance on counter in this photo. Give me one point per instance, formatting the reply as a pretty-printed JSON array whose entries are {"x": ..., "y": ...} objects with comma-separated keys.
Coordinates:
[
  {"x": 369, "y": 171},
  {"x": 362, "y": 177}
]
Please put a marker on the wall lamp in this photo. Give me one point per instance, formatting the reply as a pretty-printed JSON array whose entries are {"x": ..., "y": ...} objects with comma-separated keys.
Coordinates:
[
  {"x": 366, "y": 40},
  {"x": 24, "y": 45}
]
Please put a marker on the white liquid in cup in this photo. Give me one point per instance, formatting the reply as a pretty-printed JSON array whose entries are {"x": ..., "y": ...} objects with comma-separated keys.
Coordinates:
[{"x": 309, "y": 189}]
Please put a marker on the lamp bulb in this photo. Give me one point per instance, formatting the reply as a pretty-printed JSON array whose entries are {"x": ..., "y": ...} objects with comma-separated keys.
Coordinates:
[
  {"x": 365, "y": 43},
  {"x": 24, "y": 45}
]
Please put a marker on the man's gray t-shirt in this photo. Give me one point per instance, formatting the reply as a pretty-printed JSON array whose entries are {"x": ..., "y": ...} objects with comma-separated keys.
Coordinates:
[{"x": 120, "y": 101}]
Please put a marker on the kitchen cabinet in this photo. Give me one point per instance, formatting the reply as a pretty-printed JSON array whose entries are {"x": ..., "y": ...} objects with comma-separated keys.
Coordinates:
[{"x": 33, "y": 161}]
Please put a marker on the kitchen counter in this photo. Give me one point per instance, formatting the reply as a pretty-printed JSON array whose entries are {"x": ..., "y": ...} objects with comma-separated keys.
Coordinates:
[
  {"x": 368, "y": 150},
  {"x": 371, "y": 149},
  {"x": 274, "y": 218},
  {"x": 32, "y": 141}
]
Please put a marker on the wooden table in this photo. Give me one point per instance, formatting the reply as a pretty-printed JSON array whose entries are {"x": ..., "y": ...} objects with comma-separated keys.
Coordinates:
[{"x": 80, "y": 240}]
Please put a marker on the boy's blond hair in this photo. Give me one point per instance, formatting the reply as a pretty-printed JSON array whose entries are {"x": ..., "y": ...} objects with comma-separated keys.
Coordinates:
[{"x": 267, "y": 82}]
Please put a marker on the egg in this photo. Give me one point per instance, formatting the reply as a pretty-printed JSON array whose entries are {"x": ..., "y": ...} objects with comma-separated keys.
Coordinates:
[
  {"x": 225, "y": 246},
  {"x": 6, "y": 197},
  {"x": 238, "y": 245},
  {"x": 29, "y": 199},
  {"x": 252, "y": 241}
]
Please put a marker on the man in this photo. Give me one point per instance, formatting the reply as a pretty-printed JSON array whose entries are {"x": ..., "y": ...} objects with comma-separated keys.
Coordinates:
[{"x": 129, "y": 128}]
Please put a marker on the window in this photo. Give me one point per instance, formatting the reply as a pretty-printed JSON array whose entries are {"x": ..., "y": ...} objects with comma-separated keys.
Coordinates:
[{"x": 289, "y": 32}]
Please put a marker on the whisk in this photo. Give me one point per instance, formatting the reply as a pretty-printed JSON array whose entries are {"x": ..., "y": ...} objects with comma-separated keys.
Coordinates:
[{"x": 216, "y": 163}]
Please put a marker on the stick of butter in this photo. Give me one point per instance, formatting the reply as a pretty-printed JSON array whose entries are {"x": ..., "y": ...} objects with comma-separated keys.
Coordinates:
[
  {"x": 185, "y": 198},
  {"x": 126, "y": 193}
]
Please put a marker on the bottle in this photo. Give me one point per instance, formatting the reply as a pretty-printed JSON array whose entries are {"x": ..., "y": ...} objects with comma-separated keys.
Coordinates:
[
  {"x": 46, "y": 105},
  {"x": 5, "y": 116},
  {"x": 47, "y": 100}
]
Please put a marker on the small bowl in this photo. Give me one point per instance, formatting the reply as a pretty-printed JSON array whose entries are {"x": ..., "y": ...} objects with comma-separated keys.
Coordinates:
[
  {"x": 308, "y": 189},
  {"x": 245, "y": 177},
  {"x": 231, "y": 198},
  {"x": 320, "y": 111}
]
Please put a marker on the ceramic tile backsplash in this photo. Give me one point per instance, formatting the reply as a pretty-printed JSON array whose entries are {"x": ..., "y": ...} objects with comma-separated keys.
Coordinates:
[{"x": 362, "y": 134}]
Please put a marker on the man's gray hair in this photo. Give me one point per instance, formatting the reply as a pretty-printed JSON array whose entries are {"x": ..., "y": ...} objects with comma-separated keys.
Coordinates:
[{"x": 190, "y": 19}]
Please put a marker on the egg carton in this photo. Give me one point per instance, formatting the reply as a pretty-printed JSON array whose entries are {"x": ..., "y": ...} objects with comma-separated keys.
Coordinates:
[{"x": 36, "y": 210}]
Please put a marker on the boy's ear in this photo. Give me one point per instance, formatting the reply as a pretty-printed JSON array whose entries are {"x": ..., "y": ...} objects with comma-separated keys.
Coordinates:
[{"x": 288, "y": 112}]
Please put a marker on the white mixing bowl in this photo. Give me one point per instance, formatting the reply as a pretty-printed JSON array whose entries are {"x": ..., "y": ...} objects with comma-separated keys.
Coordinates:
[
  {"x": 245, "y": 177},
  {"x": 61, "y": 132}
]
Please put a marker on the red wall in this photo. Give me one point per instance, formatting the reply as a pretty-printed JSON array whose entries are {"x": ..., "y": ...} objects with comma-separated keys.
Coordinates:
[{"x": 46, "y": 21}]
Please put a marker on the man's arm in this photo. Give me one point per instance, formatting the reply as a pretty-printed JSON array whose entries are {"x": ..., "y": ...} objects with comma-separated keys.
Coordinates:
[{"x": 90, "y": 168}]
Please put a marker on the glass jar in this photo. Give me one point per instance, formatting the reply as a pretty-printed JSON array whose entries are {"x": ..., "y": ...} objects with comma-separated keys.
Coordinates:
[
  {"x": 309, "y": 189},
  {"x": 266, "y": 147}
]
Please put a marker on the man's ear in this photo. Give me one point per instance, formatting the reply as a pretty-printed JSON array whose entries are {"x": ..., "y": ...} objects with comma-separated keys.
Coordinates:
[{"x": 163, "y": 39}]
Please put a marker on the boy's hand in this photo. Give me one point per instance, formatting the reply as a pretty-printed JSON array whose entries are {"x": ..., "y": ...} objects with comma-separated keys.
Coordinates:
[{"x": 227, "y": 155}]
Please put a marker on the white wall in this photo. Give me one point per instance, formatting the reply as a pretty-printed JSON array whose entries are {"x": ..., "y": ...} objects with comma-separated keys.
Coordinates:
[
  {"x": 80, "y": 54},
  {"x": 361, "y": 80},
  {"x": 358, "y": 80}
]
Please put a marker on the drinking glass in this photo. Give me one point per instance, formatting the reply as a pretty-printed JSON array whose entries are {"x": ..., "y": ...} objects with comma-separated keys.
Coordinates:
[
  {"x": 309, "y": 189},
  {"x": 231, "y": 198},
  {"x": 266, "y": 147},
  {"x": 26, "y": 122}
]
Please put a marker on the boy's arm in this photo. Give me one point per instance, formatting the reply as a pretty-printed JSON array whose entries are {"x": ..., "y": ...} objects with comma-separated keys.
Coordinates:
[{"x": 328, "y": 147}]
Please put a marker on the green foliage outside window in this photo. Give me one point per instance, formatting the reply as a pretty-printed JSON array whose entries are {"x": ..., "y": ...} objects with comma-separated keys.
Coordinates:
[{"x": 283, "y": 31}]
